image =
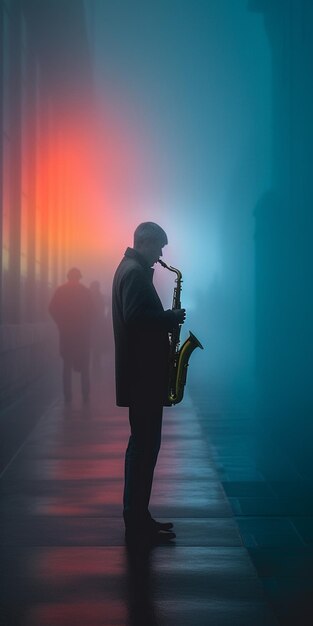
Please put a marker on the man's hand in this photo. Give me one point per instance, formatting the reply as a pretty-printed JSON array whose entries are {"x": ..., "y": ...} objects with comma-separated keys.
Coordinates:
[{"x": 180, "y": 315}]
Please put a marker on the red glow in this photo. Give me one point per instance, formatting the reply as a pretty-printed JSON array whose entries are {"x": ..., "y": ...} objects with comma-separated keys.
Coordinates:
[
  {"x": 79, "y": 613},
  {"x": 85, "y": 189},
  {"x": 60, "y": 565},
  {"x": 83, "y": 469},
  {"x": 90, "y": 180},
  {"x": 82, "y": 501}
]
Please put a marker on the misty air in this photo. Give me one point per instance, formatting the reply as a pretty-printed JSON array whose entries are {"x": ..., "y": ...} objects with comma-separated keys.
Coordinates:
[{"x": 156, "y": 312}]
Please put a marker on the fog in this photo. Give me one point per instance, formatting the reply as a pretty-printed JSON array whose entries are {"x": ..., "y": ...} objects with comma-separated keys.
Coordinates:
[
  {"x": 196, "y": 116},
  {"x": 192, "y": 83},
  {"x": 196, "y": 96}
]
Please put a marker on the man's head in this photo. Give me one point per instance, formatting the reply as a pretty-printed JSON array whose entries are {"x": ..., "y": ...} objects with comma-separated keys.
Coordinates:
[
  {"x": 74, "y": 275},
  {"x": 149, "y": 239}
]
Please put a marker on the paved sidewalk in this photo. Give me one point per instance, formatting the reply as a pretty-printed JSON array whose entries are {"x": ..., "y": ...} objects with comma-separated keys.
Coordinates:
[
  {"x": 271, "y": 500},
  {"x": 64, "y": 561}
]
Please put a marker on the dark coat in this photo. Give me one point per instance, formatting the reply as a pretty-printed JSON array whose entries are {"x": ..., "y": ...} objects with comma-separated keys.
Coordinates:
[
  {"x": 71, "y": 309},
  {"x": 141, "y": 328}
]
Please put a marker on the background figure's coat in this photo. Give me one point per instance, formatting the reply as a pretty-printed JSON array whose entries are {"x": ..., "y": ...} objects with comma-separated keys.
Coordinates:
[
  {"x": 71, "y": 309},
  {"x": 141, "y": 328}
]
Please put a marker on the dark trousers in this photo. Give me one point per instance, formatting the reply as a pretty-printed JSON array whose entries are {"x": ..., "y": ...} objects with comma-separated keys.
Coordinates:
[
  {"x": 140, "y": 460},
  {"x": 67, "y": 379}
]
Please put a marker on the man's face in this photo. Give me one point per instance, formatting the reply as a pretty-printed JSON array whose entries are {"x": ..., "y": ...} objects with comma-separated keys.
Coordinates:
[{"x": 152, "y": 250}]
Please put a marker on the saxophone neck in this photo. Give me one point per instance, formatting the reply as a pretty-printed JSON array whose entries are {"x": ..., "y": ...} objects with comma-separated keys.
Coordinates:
[{"x": 171, "y": 269}]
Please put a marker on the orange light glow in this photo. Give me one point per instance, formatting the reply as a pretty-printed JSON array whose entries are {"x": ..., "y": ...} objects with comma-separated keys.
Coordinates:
[{"x": 89, "y": 184}]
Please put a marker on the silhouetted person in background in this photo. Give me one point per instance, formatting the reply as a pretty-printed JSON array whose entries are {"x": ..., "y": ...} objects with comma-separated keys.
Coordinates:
[
  {"x": 98, "y": 326},
  {"x": 71, "y": 309},
  {"x": 141, "y": 328}
]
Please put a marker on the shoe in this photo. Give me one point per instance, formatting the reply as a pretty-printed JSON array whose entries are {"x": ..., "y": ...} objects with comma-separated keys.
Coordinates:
[
  {"x": 161, "y": 536},
  {"x": 161, "y": 525},
  {"x": 137, "y": 537}
]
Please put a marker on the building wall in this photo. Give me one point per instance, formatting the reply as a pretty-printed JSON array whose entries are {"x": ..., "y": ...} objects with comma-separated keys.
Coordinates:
[
  {"x": 284, "y": 257},
  {"x": 36, "y": 208}
]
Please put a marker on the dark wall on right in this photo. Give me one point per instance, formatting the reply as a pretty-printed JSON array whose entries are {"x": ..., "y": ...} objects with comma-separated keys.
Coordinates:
[{"x": 284, "y": 250}]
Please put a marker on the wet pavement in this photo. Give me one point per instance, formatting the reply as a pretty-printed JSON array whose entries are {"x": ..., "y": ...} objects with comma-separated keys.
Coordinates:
[
  {"x": 64, "y": 560},
  {"x": 273, "y": 510}
]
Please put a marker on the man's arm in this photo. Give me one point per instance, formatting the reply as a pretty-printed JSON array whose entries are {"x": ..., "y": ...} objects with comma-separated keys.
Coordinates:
[{"x": 139, "y": 305}]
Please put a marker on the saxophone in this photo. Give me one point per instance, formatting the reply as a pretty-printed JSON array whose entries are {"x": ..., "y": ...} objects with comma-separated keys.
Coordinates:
[{"x": 179, "y": 357}]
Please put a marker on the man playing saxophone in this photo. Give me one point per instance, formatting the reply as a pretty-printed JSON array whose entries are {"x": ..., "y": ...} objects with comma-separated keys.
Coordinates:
[{"x": 141, "y": 333}]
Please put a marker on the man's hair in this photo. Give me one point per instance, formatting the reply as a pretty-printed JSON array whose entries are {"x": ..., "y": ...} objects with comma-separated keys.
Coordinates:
[{"x": 151, "y": 231}]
